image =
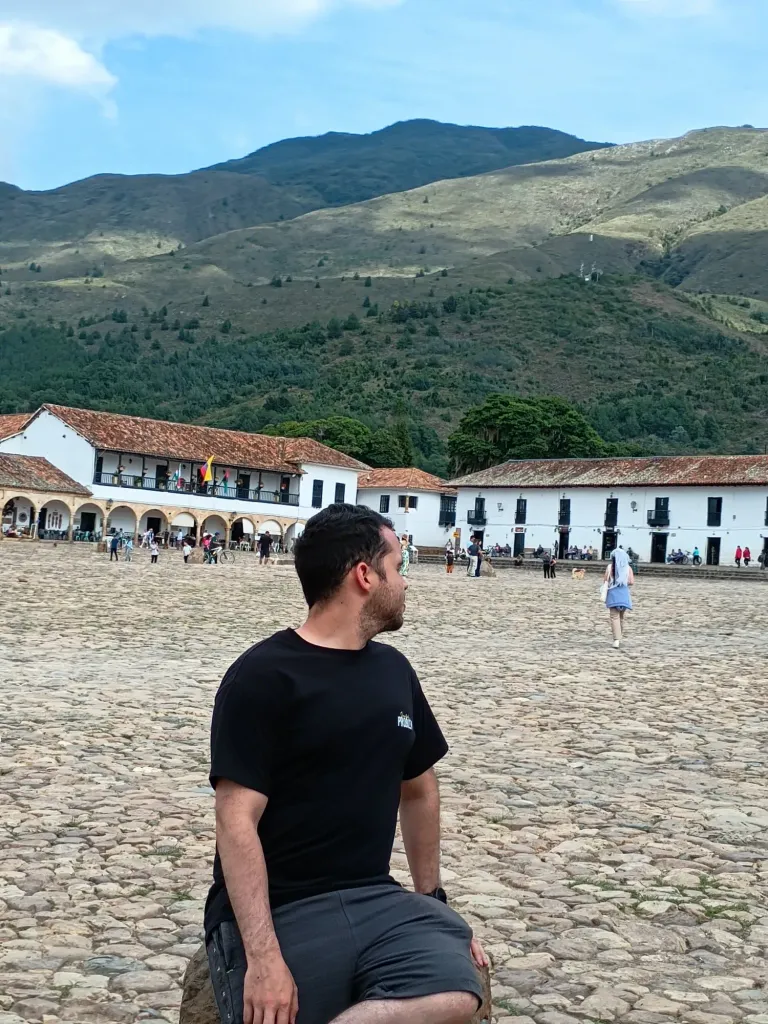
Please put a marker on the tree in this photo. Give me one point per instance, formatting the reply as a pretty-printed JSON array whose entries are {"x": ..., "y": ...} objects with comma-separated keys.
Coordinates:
[
  {"x": 343, "y": 433},
  {"x": 505, "y": 427},
  {"x": 206, "y": 301},
  {"x": 334, "y": 328}
]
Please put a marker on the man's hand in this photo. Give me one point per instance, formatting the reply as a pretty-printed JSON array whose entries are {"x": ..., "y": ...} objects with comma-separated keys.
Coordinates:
[
  {"x": 479, "y": 956},
  {"x": 270, "y": 995}
]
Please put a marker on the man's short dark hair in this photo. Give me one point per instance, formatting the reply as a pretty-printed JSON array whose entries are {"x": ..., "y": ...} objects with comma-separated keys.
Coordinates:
[{"x": 335, "y": 540}]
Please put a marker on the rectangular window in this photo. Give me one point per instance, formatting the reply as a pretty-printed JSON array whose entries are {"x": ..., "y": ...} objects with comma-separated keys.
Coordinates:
[
  {"x": 714, "y": 511},
  {"x": 407, "y": 501},
  {"x": 521, "y": 512},
  {"x": 401, "y": 499},
  {"x": 317, "y": 494},
  {"x": 565, "y": 512},
  {"x": 340, "y": 491},
  {"x": 447, "y": 510},
  {"x": 384, "y": 504},
  {"x": 413, "y": 501},
  {"x": 611, "y": 512},
  {"x": 662, "y": 504},
  {"x": 766, "y": 511}
]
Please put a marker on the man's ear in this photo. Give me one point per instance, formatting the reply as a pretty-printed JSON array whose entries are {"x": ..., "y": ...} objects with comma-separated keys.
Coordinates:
[{"x": 363, "y": 574}]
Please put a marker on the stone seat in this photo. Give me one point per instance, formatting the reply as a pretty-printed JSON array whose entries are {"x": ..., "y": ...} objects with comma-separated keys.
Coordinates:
[{"x": 198, "y": 1005}]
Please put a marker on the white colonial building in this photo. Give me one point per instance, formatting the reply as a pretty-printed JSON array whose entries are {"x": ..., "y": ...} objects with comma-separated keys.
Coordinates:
[
  {"x": 419, "y": 504},
  {"x": 652, "y": 505},
  {"x": 134, "y": 474}
]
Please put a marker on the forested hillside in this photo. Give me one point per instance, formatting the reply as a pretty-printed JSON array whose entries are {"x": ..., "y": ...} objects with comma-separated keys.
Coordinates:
[{"x": 650, "y": 369}]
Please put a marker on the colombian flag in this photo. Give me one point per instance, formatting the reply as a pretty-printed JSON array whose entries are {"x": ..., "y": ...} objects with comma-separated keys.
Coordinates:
[{"x": 208, "y": 475}]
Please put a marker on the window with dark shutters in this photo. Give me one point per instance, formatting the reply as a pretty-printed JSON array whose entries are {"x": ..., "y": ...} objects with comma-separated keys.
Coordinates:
[
  {"x": 384, "y": 504},
  {"x": 340, "y": 492},
  {"x": 317, "y": 494}
]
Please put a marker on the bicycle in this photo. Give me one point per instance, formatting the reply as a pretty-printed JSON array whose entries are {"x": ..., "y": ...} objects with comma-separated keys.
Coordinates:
[{"x": 227, "y": 557}]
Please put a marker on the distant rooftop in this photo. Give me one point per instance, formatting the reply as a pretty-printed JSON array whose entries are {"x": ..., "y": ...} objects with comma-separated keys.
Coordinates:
[
  {"x": 657, "y": 471},
  {"x": 407, "y": 479},
  {"x": 31, "y": 473},
  {"x": 12, "y": 423}
]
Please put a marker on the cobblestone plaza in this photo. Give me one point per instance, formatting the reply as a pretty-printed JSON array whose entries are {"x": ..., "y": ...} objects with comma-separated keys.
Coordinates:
[{"x": 605, "y": 812}]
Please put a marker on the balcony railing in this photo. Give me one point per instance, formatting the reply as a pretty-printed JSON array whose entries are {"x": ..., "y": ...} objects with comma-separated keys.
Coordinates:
[
  {"x": 564, "y": 519},
  {"x": 658, "y": 517},
  {"x": 475, "y": 517},
  {"x": 611, "y": 520},
  {"x": 447, "y": 519},
  {"x": 232, "y": 493}
]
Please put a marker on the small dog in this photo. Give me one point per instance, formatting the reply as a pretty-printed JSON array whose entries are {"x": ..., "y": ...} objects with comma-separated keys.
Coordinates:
[{"x": 578, "y": 574}]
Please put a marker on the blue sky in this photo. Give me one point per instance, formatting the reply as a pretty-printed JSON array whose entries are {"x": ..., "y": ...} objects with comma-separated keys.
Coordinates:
[{"x": 140, "y": 86}]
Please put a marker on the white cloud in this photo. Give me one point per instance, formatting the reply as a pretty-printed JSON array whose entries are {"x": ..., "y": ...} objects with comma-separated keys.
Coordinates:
[
  {"x": 50, "y": 56},
  {"x": 95, "y": 22},
  {"x": 672, "y": 8}
]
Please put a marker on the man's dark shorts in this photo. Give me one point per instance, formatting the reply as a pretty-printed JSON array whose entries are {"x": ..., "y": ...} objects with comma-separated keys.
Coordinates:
[{"x": 343, "y": 948}]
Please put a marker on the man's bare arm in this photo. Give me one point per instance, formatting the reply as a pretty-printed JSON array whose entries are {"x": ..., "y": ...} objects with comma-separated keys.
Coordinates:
[
  {"x": 270, "y": 992},
  {"x": 420, "y": 826}
]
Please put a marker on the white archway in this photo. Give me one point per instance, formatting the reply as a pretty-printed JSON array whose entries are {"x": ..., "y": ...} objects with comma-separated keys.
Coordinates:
[
  {"x": 122, "y": 517},
  {"x": 215, "y": 524},
  {"x": 18, "y": 516},
  {"x": 88, "y": 522},
  {"x": 53, "y": 520},
  {"x": 153, "y": 519}
]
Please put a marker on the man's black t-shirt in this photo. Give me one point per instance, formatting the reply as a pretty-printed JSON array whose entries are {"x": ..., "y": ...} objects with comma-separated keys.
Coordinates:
[{"x": 328, "y": 736}]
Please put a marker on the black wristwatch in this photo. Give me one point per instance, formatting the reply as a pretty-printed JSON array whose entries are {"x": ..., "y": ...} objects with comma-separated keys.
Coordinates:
[{"x": 438, "y": 894}]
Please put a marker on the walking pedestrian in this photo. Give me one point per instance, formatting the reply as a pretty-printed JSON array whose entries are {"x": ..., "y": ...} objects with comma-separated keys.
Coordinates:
[
  {"x": 480, "y": 557},
  {"x": 186, "y": 551},
  {"x": 265, "y": 547},
  {"x": 449, "y": 560},
  {"x": 618, "y": 579},
  {"x": 128, "y": 549},
  {"x": 302, "y": 906},
  {"x": 113, "y": 546},
  {"x": 738, "y": 555},
  {"x": 553, "y": 568},
  {"x": 747, "y": 555},
  {"x": 546, "y": 561},
  {"x": 154, "y": 551},
  {"x": 405, "y": 553}
]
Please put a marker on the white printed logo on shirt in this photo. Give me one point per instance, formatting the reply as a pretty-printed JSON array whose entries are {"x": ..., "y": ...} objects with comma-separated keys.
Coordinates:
[{"x": 404, "y": 721}]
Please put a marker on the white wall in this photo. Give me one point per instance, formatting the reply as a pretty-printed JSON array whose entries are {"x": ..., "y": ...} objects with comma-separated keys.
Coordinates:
[
  {"x": 48, "y": 437},
  {"x": 330, "y": 477},
  {"x": 743, "y": 516},
  {"x": 421, "y": 523}
]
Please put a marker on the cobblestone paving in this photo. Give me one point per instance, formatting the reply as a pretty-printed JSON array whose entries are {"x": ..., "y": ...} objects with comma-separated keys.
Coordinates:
[{"x": 605, "y": 813}]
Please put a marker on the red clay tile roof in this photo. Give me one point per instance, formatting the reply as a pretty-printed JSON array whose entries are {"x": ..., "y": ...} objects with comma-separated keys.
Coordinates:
[
  {"x": 12, "y": 422},
  {"x": 408, "y": 479},
  {"x": 31, "y": 473},
  {"x": 190, "y": 443},
  {"x": 666, "y": 471}
]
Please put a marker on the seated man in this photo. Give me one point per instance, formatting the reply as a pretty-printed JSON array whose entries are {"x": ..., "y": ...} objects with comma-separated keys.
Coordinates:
[{"x": 319, "y": 736}]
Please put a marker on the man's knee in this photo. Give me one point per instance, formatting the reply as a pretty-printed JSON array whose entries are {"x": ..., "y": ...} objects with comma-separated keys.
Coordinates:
[{"x": 455, "y": 1007}]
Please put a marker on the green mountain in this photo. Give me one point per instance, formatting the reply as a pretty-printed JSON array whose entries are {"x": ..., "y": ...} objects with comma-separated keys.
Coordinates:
[
  {"x": 347, "y": 169},
  {"x": 110, "y": 218},
  {"x": 650, "y": 367}
]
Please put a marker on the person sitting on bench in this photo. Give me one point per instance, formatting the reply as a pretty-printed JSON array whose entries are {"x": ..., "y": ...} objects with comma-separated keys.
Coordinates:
[{"x": 319, "y": 736}]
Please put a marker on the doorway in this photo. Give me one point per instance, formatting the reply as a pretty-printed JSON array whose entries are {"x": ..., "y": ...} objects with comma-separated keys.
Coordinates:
[
  {"x": 244, "y": 486},
  {"x": 609, "y": 544},
  {"x": 713, "y": 550},
  {"x": 562, "y": 545},
  {"x": 659, "y": 548},
  {"x": 42, "y": 519},
  {"x": 88, "y": 522},
  {"x": 479, "y": 536},
  {"x": 519, "y": 548},
  {"x": 153, "y": 524}
]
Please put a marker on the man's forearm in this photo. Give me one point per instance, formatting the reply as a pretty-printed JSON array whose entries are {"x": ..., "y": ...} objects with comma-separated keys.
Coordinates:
[
  {"x": 420, "y": 827},
  {"x": 242, "y": 861}
]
